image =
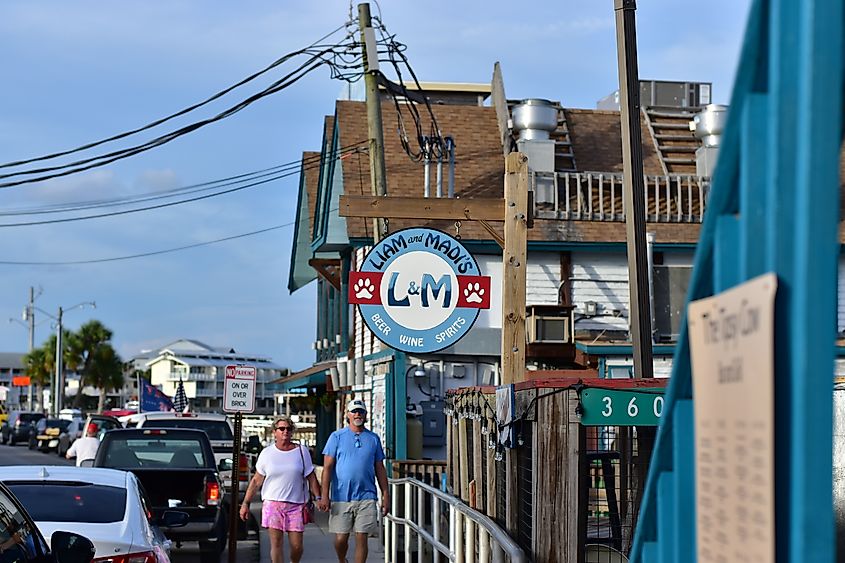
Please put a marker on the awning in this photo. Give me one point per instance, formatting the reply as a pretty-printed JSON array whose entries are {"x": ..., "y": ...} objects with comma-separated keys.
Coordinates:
[{"x": 314, "y": 376}]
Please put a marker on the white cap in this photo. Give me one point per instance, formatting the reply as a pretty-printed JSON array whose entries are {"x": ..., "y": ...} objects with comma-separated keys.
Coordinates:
[{"x": 355, "y": 404}]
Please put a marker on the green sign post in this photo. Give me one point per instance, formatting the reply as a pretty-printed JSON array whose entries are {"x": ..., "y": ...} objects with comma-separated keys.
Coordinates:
[{"x": 612, "y": 407}]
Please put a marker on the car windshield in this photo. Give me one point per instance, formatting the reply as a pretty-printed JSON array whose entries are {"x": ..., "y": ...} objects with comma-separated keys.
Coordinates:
[
  {"x": 30, "y": 417},
  {"x": 214, "y": 429},
  {"x": 71, "y": 501},
  {"x": 156, "y": 451}
]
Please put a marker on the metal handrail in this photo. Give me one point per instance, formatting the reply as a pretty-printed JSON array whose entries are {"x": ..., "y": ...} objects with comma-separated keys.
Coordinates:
[{"x": 461, "y": 546}]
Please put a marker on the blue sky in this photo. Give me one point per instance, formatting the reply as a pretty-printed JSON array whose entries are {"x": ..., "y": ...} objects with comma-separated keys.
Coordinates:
[{"x": 76, "y": 72}]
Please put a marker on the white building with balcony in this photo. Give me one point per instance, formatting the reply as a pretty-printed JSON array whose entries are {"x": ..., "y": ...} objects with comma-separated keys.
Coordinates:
[{"x": 202, "y": 370}]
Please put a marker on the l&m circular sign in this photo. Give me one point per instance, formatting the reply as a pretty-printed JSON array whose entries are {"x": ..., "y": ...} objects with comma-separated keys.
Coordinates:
[{"x": 419, "y": 290}]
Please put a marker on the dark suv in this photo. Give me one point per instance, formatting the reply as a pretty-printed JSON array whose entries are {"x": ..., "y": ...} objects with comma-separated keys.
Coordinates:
[{"x": 18, "y": 427}]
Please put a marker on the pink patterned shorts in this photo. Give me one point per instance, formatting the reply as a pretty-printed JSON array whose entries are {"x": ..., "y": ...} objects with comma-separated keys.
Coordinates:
[{"x": 280, "y": 515}]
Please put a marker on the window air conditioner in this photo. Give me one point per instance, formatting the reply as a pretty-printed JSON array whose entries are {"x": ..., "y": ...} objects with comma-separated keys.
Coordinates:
[{"x": 549, "y": 324}]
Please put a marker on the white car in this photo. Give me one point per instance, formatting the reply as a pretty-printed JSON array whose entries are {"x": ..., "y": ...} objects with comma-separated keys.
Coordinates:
[{"x": 105, "y": 505}]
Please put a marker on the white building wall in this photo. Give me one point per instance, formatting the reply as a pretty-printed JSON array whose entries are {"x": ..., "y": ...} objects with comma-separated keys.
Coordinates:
[{"x": 600, "y": 277}]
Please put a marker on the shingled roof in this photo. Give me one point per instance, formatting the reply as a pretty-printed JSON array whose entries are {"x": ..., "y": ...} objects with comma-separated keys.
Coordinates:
[{"x": 479, "y": 170}]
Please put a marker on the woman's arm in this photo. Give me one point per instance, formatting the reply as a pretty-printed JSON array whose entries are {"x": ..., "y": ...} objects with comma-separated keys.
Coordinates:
[{"x": 254, "y": 484}]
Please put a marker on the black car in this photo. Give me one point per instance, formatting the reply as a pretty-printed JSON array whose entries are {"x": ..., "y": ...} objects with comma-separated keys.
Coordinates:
[
  {"x": 44, "y": 435},
  {"x": 17, "y": 428},
  {"x": 21, "y": 542}
]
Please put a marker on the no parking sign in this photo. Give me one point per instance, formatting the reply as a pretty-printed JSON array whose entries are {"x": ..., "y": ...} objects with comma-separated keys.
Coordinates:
[{"x": 239, "y": 389}]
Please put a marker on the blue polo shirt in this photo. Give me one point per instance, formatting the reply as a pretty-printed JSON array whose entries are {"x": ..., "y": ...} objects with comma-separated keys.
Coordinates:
[{"x": 354, "y": 469}]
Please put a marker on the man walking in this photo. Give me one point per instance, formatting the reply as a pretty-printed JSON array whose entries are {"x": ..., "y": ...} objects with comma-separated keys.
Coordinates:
[
  {"x": 85, "y": 448},
  {"x": 352, "y": 462}
]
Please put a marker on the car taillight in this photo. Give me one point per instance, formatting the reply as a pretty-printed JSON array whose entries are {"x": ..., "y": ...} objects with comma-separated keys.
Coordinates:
[
  {"x": 140, "y": 557},
  {"x": 243, "y": 468},
  {"x": 212, "y": 493}
]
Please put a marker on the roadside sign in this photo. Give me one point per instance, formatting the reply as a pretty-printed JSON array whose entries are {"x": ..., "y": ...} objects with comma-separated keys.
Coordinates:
[
  {"x": 419, "y": 290},
  {"x": 20, "y": 381},
  {"x": 613, "y": 407},
  {"x": 239, "y": 389}
]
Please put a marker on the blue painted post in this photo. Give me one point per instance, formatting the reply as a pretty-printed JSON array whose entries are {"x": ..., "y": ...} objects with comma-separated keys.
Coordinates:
[{"x": 400, "y": 430}]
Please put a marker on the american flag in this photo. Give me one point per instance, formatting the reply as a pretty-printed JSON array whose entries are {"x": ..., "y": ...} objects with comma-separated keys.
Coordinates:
[{"x": 180, "y": 400}]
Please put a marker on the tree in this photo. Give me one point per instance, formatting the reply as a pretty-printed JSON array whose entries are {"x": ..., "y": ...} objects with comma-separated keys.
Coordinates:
[
  {"x": 95, "y": 359},
  {"x": 39, "y": 369},
  {"x": 68, "y": 361},
  {"x": 104, "y": 371}
]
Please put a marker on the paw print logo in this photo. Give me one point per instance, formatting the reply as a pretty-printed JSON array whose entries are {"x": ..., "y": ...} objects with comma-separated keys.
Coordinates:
[
  {"x": 363, "y": 288},
  {"x": 473, "y": 293}
]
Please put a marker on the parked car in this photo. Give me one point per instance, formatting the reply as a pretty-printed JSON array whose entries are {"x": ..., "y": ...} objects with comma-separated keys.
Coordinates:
[
  {"x": 24, "y": 542},
  {"x": 220, "y": 432},
  {"x": 103, "y": 422},
  {"x": 176, "y": 467},
  {"x": 74, "y": 431},
  {"x": 45, "y": 435},
  {"x": 17, "y": 427},
  {"x": 107, "y": 506}
]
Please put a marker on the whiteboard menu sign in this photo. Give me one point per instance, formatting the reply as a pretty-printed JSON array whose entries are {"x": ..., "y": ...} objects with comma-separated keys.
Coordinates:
[
  {"x": 731, "y": 339},
  {"x": 239, "y": 389}
]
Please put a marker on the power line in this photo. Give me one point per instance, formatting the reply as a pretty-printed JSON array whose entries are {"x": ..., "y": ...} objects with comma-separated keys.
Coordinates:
[
  {"x": 152, "y": 253},
  {"x": 179, "y": 113},
  {"x": 301, "y": 164}
]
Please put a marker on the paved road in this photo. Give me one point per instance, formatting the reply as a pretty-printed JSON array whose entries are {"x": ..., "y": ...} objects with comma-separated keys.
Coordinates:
[{"x": 189, "y": 553}]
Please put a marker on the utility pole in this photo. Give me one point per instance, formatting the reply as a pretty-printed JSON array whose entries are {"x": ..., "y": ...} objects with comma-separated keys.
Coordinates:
[
  {"x": 378, "y": 175},
  {"x": 60, "y": 384},
  {"x": 30, "y": 316},
  {"x": 633, "y": 189}
]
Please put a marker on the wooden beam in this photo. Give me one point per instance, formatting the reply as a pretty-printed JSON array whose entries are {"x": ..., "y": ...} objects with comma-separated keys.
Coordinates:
[
  {"x": 454, "y": 209},
  {"x": 328, "y": 269},
  {"x": 513, "y": 268}
]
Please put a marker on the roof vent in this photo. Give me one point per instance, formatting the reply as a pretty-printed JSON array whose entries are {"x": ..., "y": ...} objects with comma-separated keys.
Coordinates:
[
  {"x": 534, "y": 119},
  {"x": 709, "y": 124}
]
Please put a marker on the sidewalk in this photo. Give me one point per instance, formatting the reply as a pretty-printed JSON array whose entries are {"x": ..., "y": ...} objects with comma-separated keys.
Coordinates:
[{"x": 319, "y": 542}]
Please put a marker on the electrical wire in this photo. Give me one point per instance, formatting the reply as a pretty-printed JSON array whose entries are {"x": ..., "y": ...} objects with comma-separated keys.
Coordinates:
[
  {"x": 146, "y": 254},
  {"x": 162, "y": 205},
  {"x": 179, "y": 113},
  {"x": 173, "y": 192}
]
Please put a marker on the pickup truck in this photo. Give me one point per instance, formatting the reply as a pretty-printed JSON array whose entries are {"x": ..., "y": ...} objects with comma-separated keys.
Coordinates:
[
  {"x": 220, "y": 432},
  {"x": 177, "y": 470}
]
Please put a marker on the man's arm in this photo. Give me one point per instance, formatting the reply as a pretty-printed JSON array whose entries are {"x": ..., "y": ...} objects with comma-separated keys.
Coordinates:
[
  {"x": 328, "y": 468},
  {"x": 381, "y": 477},
  {"x": 71, "y": 452}
]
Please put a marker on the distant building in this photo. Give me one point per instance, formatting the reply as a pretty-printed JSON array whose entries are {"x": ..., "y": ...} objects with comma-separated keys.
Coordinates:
[
  {"x": 11, "y": 365},
  {"x": 201, "y": 368}
]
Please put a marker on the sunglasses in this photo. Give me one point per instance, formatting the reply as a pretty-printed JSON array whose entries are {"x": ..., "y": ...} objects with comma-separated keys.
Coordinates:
[
  {"x": 284, "y": 428},
  {"x": 359, "y": 411}
]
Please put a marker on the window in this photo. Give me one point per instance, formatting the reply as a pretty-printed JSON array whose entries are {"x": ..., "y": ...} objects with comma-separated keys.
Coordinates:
[
  {"x": 215, "y": 429},
  {"x": 20, "y": 540},
  {"x": 71, "y": 501}
]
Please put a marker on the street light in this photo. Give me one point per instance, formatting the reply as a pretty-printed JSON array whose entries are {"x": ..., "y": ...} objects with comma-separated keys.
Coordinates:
[{"x": 59, "y": 378}]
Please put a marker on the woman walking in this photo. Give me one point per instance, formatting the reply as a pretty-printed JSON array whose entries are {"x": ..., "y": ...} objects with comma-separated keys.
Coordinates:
[{"x": 285, "y": 474}]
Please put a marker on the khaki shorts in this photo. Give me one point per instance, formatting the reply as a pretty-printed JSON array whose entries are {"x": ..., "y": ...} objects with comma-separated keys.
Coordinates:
[{"x": 359, "y": 516}]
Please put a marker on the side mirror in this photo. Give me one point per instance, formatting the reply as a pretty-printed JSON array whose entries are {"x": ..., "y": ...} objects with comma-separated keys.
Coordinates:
[
  {"x": 225, "y": 464},
  {"x": 87, "y": 463},
  {"x": 173, "y": 519},
  {"x": 69, "y": 547}
]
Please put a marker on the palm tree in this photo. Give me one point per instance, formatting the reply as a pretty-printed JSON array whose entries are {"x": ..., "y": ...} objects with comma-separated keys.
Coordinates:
[
  {"x": 39, "y": 368},
  {"x": 104, "y": 371},
  {"x": 94, "y": 359}
]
